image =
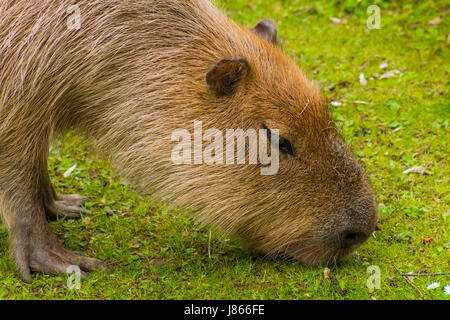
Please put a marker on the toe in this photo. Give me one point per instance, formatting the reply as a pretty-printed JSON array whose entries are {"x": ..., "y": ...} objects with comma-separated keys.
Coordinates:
[
  {"x": 21, "y": 255},
  {"x": 89, "y": 264},
  {"x": 72, "y": 210},
  {"x": 62, "y": 209},
  {"x": 73, "y": 199}
]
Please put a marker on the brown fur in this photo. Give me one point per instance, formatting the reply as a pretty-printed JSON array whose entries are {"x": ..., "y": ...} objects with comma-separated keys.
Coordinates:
[{"x": 134, "y": 73}]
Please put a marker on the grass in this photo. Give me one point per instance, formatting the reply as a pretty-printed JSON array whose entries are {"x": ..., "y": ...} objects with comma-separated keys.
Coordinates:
[{"x": 155, "y": 251}]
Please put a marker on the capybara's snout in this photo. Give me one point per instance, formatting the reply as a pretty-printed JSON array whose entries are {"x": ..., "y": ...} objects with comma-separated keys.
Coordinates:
[
  {"x": 356, "y": 232},
  {"x": 337, "y": 233},
  {"x": 354, "y": 228}
]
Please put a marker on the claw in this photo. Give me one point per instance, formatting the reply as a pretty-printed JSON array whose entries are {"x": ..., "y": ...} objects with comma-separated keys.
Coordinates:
[
  {"x": 73, "y": 199},
  {"x": 68, "y": 206}
]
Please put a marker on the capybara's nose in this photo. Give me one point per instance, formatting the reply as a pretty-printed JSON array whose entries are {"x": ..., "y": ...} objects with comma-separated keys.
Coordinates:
[{"x": 350, "y": 238}]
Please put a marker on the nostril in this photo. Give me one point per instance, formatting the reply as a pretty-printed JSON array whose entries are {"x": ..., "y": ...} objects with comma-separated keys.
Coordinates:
[{"x": 351, "y": 238}]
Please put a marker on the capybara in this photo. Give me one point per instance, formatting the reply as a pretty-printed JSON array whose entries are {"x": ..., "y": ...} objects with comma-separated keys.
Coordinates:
[{"x": 128, "y": 74}]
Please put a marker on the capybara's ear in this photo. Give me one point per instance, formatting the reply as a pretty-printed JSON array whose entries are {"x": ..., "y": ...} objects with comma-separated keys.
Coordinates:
[
  {"x": 267, "y": 29},
  {"x": 226, "y": 74}
]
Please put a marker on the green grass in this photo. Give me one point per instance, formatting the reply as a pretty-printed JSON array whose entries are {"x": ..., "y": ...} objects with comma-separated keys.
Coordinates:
[{"x": 155, "y": 251}]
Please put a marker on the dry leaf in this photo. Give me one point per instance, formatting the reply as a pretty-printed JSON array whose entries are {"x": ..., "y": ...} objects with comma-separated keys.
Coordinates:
[
  {"x": 384, "y": 65},
  {"x": 389, "y": 74},
  {"x": 335, "y": 20},
  {"x": 336, "y": 103},
  {"x": 69, "y": 172},
  {"x": 338, "y": 21},
  {"x": 362, "y": 79},
  {"x": 420, "y": 170},
  {"x": 360, "y": 102},
  {"x": 435, "y": 22},
  {"x": 326, "y": 273}
]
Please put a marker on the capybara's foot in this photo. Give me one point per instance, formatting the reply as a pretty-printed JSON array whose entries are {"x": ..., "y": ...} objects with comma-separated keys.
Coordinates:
[
  {"x": 69, "y": 206},
  {"x": 43, "y": 253}
]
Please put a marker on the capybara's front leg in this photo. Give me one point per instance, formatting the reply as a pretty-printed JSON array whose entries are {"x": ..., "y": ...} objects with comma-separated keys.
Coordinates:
[
  {"x": 34, "y": 246},
  {"x": 61, "y": 205}
]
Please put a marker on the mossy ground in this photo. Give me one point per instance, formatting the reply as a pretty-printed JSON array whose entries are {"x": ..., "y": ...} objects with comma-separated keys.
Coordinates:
[{"x": 156, "y": 252}]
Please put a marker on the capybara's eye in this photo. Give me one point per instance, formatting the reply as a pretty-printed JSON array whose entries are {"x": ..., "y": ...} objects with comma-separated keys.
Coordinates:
[{"x": 284, "y": 145}]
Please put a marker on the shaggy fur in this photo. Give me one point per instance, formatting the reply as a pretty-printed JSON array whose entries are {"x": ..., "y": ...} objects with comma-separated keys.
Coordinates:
[{"x": 131, "y": 75}]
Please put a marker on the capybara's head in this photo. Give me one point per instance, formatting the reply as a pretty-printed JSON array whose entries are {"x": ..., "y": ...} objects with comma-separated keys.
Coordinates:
[{"x": 319, "y": 206}]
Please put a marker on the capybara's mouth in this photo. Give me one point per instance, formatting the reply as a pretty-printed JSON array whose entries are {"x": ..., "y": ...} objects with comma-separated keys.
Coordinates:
[
  {"x": 325, "y": 258},
  {"x": 320, "y": 254}
]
